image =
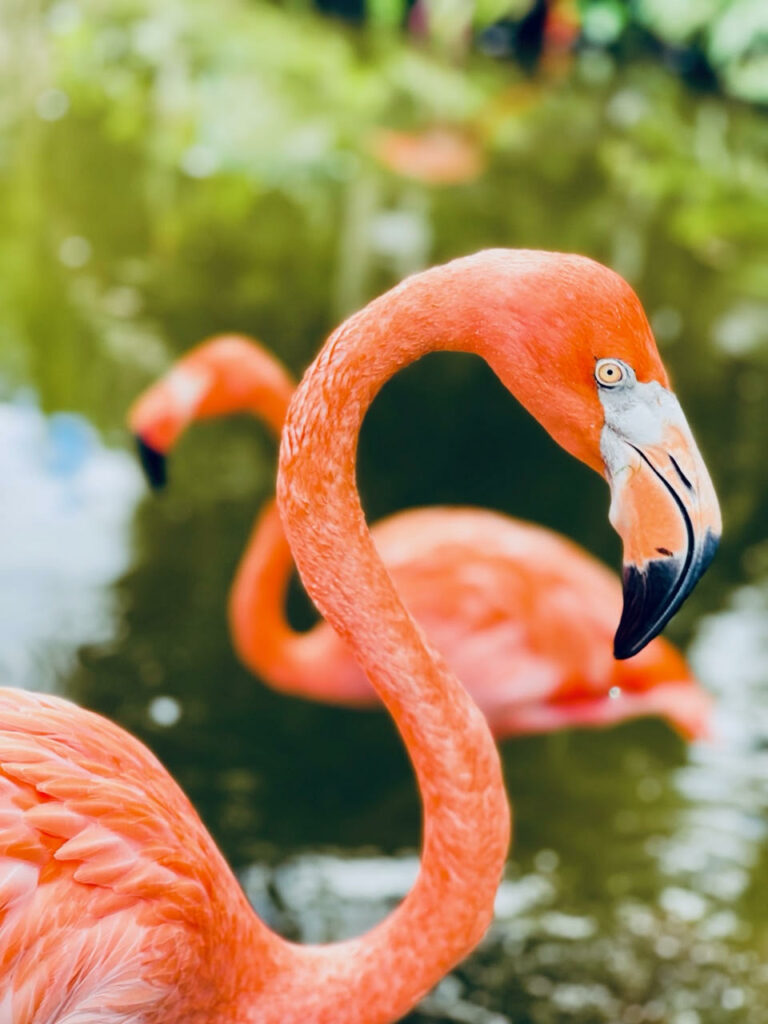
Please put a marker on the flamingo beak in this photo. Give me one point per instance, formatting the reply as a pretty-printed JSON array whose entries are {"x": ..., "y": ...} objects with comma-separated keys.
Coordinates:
[
  {"x": 663, "y": 506},
  {"x": 153, "y": 462}
]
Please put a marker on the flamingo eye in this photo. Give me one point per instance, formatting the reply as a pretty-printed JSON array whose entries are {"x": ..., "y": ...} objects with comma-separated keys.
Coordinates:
[{"x": 608, "y": 373}]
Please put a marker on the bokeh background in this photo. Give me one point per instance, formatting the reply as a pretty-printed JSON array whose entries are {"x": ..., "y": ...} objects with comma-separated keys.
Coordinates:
[{"x": 173, "y": 168}]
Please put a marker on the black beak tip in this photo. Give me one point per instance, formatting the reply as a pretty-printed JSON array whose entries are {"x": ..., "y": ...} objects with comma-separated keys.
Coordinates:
[
  {"x": 654, "y": 593},
  {"x": 626, "y": 646},
  {"x": 649, "y": 602},
  {"x": 153, "y": 463}
]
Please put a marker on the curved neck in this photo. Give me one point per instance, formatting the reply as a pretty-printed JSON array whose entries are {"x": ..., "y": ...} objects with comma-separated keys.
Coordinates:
[
  {"x": 302, "y": 664},
  {"x": 378, "y": 977},
  {"x": 229, "y": 374},
  {"x": 235, "y": 374}
]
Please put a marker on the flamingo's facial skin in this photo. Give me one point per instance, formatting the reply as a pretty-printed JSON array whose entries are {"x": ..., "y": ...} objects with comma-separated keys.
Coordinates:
[{"x": 663, "y": 504}]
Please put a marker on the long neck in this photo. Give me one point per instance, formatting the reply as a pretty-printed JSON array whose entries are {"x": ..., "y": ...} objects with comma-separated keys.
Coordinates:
[
  {"x": 376, "y": 978},
  {"x": 259, "y": 629},
  {"x": 305, "y": 664},
  {"x": 224, "y": 375},
  {"x": 249, "y": 379},
  {"x": 241, "y": 376}
]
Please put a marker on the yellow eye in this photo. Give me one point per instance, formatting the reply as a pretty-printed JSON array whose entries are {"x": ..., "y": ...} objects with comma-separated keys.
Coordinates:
[{"x": 608, "y": 372}]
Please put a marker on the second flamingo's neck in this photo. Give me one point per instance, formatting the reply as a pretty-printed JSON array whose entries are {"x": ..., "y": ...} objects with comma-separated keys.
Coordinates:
[
  {"x": 227, "y": 375},
  {"x": 296, "y": 663},
  {"x": 378, "y": 977},
  {"x": 222, "y": 376}
]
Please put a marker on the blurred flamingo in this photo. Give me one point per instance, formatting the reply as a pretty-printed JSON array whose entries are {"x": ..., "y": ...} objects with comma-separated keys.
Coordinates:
[
  {"x": 439, "y": 155},
  {"x": 522, "y": 616},
  {"x": 116, "y": 906}
]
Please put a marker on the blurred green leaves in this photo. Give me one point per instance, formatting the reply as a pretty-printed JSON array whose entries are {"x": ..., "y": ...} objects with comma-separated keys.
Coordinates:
[
  {"x": 677, "y": 21},
  {"x": 166, "y": 167},
  {"x": 731, "y": 35}
]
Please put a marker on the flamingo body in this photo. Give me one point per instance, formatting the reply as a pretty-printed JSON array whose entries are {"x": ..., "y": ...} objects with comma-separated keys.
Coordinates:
[
  {"x": 115, "y": 904},
  {"x": 522, "y": 616}
]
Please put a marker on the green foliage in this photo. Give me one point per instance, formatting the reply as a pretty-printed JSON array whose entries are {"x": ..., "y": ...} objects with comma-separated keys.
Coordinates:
[
  {"x": 738, "y": 48},
  {"x": 486, "y": 12},
  {"x": 166, "y": 167},
  {"x": 730, "y": 35},
  {"x": 678, "y": 21}
]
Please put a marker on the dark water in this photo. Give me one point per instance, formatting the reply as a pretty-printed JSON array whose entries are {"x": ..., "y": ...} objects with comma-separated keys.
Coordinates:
[{"x": 164, "y": 176}]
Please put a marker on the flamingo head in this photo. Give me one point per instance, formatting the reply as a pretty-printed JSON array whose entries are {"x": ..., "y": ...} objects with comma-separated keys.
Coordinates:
[
  {"x": 589, "y": 370},
  {"x": 663, "y": 504},
  {"x": 226, "y": 374},
  {"x": 161, "y": 414}
]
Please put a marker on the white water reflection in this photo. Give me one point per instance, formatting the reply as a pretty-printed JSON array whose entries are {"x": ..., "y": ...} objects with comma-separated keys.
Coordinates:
[
  {"x": 66, "y": 503},
  {"x": 679, "y": 962},
  {"x": 323, "y": 897}
]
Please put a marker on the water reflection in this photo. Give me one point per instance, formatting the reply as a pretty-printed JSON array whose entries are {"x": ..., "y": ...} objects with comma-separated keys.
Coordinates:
[{"x": 65, "y": 516}]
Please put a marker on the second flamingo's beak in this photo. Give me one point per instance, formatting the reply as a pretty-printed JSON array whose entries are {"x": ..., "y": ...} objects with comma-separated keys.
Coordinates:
[
  {"x": 663, "y": 505},
  {"x": 153, "y": 462}
]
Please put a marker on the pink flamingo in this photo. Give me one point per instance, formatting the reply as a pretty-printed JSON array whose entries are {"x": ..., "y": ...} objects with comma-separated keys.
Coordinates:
[
  {"x": 116, "y": 906},
  {"x": 523, "y": 617}
]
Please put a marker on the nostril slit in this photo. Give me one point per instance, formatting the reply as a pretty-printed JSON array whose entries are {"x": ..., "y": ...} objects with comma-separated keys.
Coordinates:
[
  {"x": 664, "y": 551},
  {"x": 680, "y": 473}
]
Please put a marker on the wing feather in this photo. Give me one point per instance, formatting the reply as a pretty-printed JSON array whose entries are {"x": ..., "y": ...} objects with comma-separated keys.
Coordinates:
[{"x": 111, "y": 890}]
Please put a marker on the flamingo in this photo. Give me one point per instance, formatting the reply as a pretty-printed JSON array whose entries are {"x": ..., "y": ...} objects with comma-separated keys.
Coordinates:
[
  {"x": 116, "y": 906},
  {"x": 522, "y": 616}
]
